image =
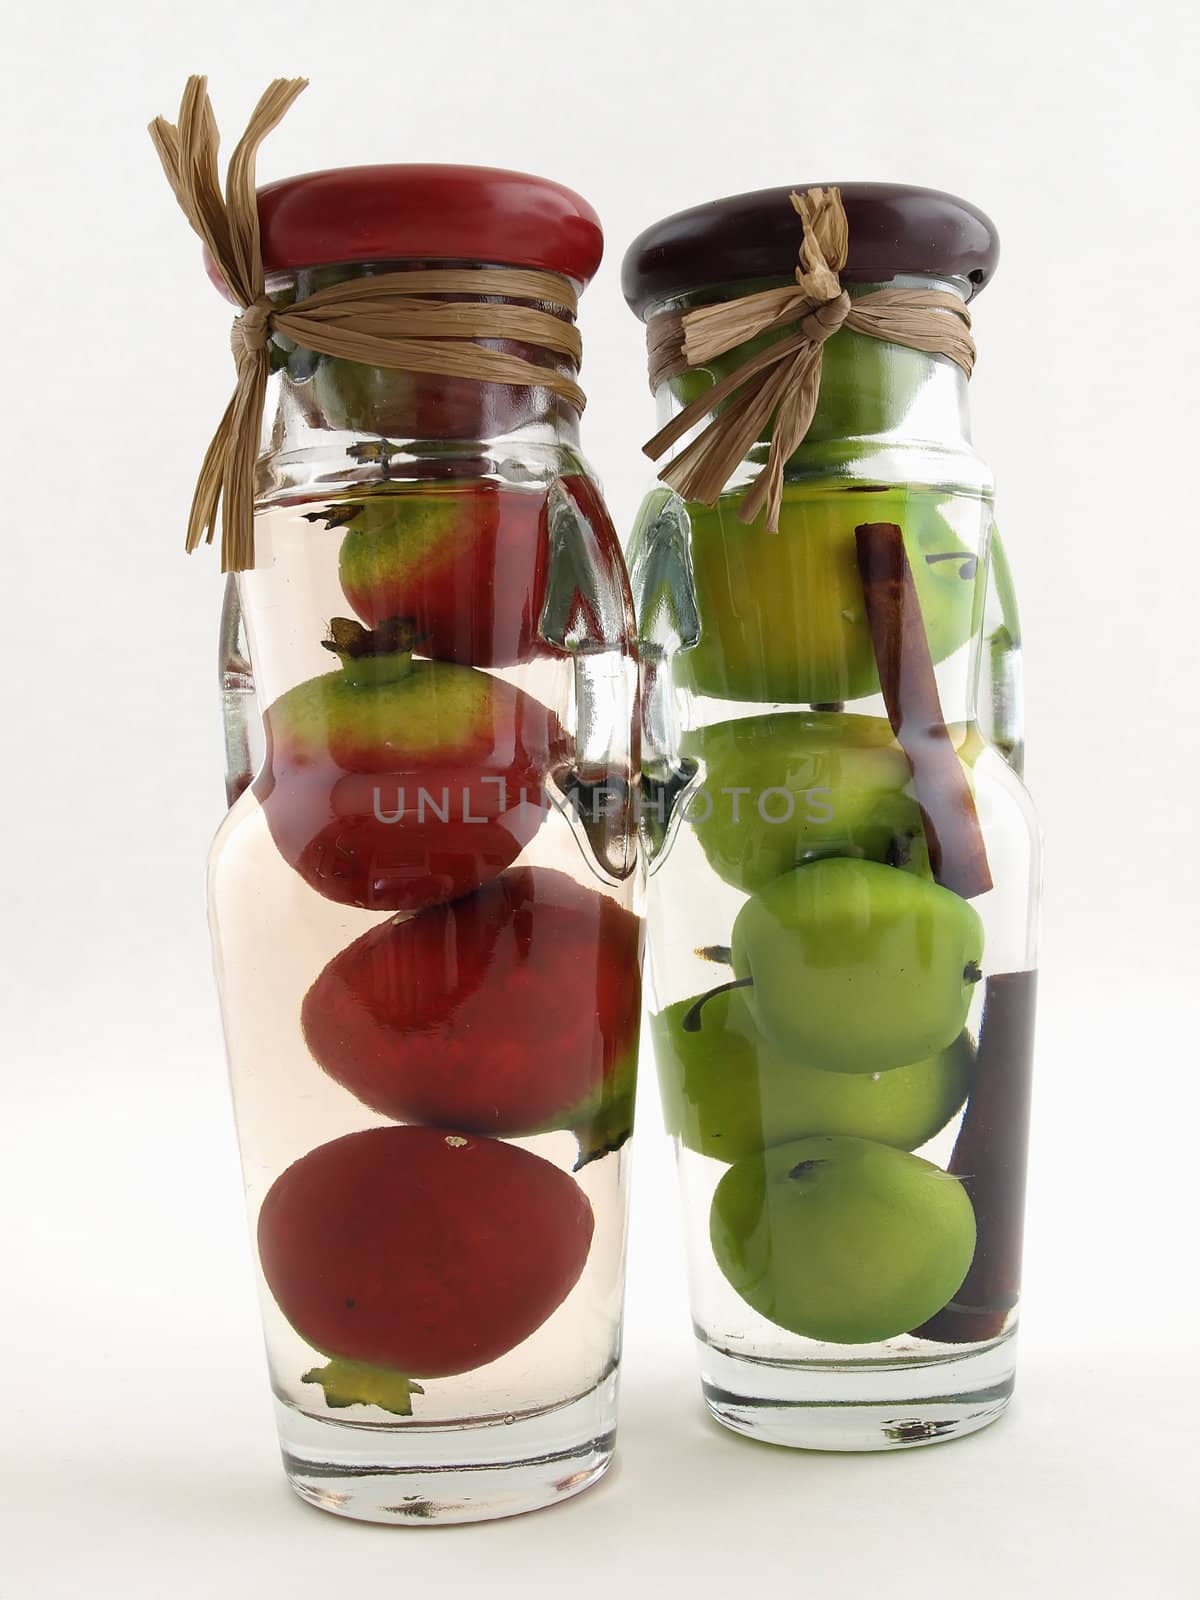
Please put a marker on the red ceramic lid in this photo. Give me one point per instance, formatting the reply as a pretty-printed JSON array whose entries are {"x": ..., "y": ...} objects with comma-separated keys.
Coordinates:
[{"x": 428, "y": 213}]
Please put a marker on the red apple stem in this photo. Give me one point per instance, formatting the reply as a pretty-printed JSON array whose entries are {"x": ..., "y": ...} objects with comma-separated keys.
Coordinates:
[
  {"x": 355, "y": 1383},
  {"x": 393, "y": 636},
  {"x": 906, "y": 675},
  {"x": 593, "y": 1149},
  {"x": 989, "y": 1158}
]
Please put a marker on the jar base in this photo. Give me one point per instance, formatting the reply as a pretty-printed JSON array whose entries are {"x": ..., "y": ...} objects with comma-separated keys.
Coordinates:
[
  {"x": 456, "y": 1472},
  {"x": 877, "y": 1405}
]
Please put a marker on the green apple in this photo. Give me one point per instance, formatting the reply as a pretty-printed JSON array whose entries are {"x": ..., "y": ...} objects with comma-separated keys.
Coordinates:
[
  {"x": 842, "y": 1240},
  {"x": 855, "y": 967},
  {"x": 793, "y": 786},
  {"x": 782, "y": 615},
  {"x": 727, "y": 1093},
  {"x": 867, "y": 385}
]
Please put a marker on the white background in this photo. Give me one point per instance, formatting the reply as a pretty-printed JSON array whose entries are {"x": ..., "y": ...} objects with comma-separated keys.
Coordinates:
[{"x": 137, "y": 1456}]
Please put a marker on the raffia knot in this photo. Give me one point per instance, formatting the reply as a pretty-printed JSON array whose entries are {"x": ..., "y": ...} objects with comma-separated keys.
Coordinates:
[
  {"x": 778, "y": 386},
  {"x": 820, "y": 324},
  {"x": 252, "y": 328},
  {"x": 448, "y": 322}
]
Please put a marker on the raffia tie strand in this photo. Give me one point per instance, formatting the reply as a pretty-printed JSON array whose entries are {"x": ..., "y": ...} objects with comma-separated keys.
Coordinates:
[
  {"x": 384, "y": 321},
  {"x": 779, "y": 386}
]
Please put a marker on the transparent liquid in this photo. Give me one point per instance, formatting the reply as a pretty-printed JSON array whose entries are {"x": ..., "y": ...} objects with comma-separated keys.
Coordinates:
[
  {"x": 279, "y": 924},
  {"x": 766, "y": 690}
]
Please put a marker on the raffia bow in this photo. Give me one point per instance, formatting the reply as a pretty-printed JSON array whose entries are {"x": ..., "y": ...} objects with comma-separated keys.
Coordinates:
[
  {"x": 779, "y": 386},
  {"x": 381, "y": 321}
]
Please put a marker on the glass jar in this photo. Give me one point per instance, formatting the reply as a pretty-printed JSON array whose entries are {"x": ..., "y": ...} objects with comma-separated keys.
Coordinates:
[
  {"x": 849, "y": 1103},
  {"x": 425, "y": 896}
]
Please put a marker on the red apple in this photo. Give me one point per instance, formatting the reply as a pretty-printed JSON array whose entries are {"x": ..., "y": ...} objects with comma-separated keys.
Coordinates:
[
  {"x": 395, "y": 784},
  {"x": 467, "y": 565},
  {"x": 419, "y": 1252},
  {"x": 511, "y": 1011}
]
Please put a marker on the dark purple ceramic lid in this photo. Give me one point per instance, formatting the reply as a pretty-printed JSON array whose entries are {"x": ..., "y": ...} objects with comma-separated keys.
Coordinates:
[{"x": 894, "y": 229}]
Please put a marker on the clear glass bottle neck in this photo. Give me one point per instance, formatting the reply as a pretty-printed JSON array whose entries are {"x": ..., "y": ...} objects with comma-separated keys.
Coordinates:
[
  {"x": 889, "y": 441},
  {"x": 332, "y": 420},
  {"x": 876, "y": 399}
]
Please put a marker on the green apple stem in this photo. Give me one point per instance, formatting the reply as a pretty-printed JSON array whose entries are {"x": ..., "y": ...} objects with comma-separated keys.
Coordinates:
[
  {"x": 691, "y": 1020},
  {"x": 721, "y": 953},
  {"x": 970, "y": 561}
]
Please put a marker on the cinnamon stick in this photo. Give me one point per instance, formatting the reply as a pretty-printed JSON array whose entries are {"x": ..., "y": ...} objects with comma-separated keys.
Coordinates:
[
  {"x": 990, "y": 1158},
  {"x": 910, "y": 692}
]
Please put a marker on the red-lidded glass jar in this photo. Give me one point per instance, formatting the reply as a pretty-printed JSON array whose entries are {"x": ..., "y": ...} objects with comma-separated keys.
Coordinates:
[{"x": 424, "y": 898}]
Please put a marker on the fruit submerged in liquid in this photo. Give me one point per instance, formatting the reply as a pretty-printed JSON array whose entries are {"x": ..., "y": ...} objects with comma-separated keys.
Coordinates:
[
  {"x": 856, "y": 967},
  {"x": 727, "y": 1093},
  {"x": 867, "y": 385},
  {"x": 467, "y": 567},
  {"x": 842, "y": 1239},
  {"x": 782, "y": 615},
  {"x": 513, "y": 1010},
  {"x": 420, "y": 1252},
  {"x": 396, "y": 784},
  {"x": 794, "y": 786}
]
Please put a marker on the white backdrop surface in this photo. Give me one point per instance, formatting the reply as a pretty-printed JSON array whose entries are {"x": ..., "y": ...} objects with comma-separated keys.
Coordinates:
[{"x": 138, "y": 1455}]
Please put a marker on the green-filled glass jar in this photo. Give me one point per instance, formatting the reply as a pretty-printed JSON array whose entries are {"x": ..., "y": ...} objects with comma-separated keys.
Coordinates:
[{"x": 844, "y": 861}]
